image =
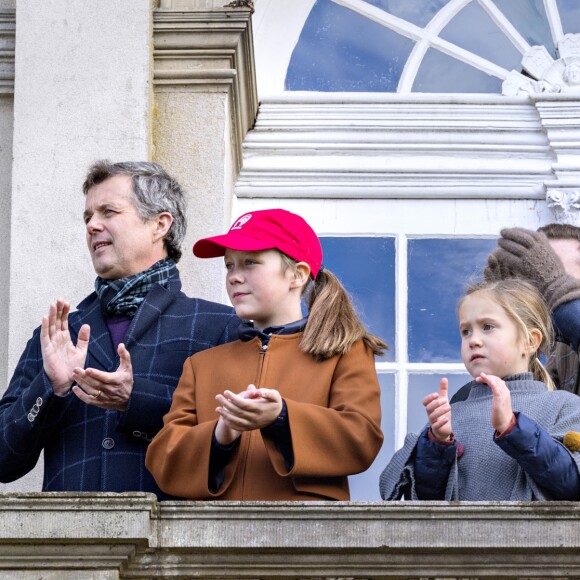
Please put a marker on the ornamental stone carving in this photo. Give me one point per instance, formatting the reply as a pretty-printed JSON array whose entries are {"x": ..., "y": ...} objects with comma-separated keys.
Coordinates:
[
  {"x": 564, "y": 204},
  {"x": 547, "y": 75}
]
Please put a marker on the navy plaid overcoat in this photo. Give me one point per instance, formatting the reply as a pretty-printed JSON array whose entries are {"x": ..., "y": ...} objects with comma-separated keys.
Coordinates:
[{"x": 87, "y": 448}]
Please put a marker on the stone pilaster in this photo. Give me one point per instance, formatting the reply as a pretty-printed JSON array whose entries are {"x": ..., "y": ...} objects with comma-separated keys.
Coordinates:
[
  {"x": 7, "y": 42},
  {"x": 205, "y": 102}
]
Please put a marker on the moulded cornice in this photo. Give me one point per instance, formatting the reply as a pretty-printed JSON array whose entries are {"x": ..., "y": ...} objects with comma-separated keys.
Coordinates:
[
  {"x": 206, "y": 47},
  {"x": 7, "y": 51},
  {"x": 396, "y": 148},
  {"x": 560, "y": 122}
]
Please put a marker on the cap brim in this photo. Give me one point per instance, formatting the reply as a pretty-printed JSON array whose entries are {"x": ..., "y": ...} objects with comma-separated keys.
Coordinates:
[{"x": 216, "y": 246}]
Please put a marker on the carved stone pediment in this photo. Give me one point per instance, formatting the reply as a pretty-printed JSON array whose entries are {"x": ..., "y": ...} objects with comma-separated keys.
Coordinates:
[{"x": 547, "y": 75}]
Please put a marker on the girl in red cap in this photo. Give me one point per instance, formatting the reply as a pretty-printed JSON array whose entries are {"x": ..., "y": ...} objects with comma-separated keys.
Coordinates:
[{"x": 298, "y": 406}]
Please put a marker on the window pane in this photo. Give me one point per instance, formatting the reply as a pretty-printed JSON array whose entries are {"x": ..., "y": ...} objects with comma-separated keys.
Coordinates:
[
  {"x": 438, "y": 272},
  {"x": 440, "y": 73},
  {"x": 418, "y": 12},
  {"x": 489, "y": 42},
  {"x": 365, "y": 486},
  {"x": 569, "y": 15},
  {"x": 366, "y": 268},
  {"x": 529, "y": 18},
  {"x": 339, "y": 50},
  {"x": 420, "y": 385}
]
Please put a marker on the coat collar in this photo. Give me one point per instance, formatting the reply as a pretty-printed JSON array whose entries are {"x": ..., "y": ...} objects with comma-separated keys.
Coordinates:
[{"x": 100, "y": 344}]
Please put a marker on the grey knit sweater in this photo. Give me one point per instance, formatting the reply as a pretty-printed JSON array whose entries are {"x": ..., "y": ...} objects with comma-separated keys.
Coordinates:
[{"x": 485, "y": 472}]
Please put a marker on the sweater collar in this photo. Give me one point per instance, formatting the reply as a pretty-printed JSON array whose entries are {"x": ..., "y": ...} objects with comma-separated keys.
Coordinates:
[{"x": 521, "y": 382}]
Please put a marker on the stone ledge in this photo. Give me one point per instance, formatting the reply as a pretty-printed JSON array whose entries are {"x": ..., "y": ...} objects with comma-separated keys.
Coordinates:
[
  {"x": 132, "y": 536},
  {"x": 377, "y": 148}
]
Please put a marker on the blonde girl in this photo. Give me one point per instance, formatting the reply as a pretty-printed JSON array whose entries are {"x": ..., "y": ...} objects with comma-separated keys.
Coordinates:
[
  {"x": 290, "y": 409},
  {"x": 504, "y": 441}
]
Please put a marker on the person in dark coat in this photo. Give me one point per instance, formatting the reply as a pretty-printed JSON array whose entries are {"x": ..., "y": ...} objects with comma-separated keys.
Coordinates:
[{"x": 92, "y": 386}]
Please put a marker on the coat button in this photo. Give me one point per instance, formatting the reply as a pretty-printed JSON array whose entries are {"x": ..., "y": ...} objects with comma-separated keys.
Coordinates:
[
  {"x": 39, "y": 401},
  {"x": 108, "y": 443},
  {"x": 31, "y": 417}
]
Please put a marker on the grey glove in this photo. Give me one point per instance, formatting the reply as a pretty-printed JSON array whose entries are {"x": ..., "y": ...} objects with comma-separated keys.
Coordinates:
[
  {"x": 495, "y": 269},
  {"x": 528, "y": 255}
]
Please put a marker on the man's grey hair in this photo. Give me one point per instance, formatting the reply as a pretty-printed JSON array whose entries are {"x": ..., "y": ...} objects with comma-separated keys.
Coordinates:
[{"x": 155, "y": 191}]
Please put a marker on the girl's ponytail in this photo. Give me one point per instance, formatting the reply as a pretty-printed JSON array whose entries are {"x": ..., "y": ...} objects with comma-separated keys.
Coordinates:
[
  {"x": 333, "y": 324},
  {"x": 541, "y": 373}
]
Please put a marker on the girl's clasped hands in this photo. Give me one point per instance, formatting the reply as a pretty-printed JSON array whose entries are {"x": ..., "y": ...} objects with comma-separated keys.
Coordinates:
[{"x": 251, "y": 409}]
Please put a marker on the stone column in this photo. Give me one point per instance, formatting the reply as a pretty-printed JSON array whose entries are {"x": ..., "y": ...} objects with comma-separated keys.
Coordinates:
[
  {"x": 205, "y": 102},
  {"x": 7, "y": 39},
  {"x": 82, "y": 92}
]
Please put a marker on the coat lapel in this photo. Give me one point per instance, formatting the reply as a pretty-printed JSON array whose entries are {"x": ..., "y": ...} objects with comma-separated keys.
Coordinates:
[
  {"x": 100, "y": 344},
  {"x": 157, "y": 301}
]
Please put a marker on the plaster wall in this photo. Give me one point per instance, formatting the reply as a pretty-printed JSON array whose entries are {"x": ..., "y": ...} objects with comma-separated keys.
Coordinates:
[
  {"x": 82, "y": 92},
  {"x": 191, "y": 132},
  {"x": 8, "y": 4}
]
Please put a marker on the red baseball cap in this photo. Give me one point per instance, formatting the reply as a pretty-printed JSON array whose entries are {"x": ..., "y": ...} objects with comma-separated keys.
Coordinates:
[{"x": 265, "y": 230}]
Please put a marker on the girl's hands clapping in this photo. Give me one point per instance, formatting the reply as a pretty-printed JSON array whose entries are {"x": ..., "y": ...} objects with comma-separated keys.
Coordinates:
[
  {"x": 501, "y": 405},
  {"x": 439, "y": 412},
  {"x": 251, "y": 409}
]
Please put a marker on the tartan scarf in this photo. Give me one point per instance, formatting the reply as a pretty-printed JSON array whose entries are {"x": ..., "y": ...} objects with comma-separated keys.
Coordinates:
[{"x": 124, "y": 296}]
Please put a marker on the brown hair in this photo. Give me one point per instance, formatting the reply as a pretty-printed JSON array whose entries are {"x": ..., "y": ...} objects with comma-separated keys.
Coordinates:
[
  {"x": 560, "y": 232},
  {"x": 528, "y": 311},
  {"x": 333, "y": 325}
]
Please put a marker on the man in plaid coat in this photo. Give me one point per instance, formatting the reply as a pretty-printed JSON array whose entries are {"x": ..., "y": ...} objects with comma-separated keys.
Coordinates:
[{"x": 92, "y": 386}]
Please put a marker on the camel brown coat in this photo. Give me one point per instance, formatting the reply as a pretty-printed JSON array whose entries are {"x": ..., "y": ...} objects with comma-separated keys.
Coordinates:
[{"x": 334, "y": 415}]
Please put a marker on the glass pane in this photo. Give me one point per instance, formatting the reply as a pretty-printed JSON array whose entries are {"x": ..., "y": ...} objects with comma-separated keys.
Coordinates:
[
  {"x": 420, "y": 385},
  {"x": 489, "y": 42},
  {"x": 366, "y": 268},
  {"x": 570, "y": 15},
  {"x": 418, "y": 12},
  {"x": 529, "y": 18},
  {"x": 440, "y": 73},
  {"x": 339, "y": 50},
  {"x": 438, "y": 272},
  {"x": 365, "y": 486}
]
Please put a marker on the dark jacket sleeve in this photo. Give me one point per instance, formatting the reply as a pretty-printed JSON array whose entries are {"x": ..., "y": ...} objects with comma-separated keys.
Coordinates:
[
  {"x": 433, "y": 463},
  {"x": 29, "y": 414},
  {"x": 547, "y": 461},
  {"x": 567, "y": 322}
]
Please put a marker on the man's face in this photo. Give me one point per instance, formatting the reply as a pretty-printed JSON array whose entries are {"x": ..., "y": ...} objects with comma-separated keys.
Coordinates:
[
  {"x": 569, "y": 253},
  {"x": 120, "y": 242}
]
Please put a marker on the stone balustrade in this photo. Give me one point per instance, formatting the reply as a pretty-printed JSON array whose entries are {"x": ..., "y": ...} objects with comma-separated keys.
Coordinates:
[{"x": 70, "y": 536}]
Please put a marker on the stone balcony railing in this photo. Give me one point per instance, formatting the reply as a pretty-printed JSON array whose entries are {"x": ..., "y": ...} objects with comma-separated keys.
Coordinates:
[{"x": 68, "y": 536}]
